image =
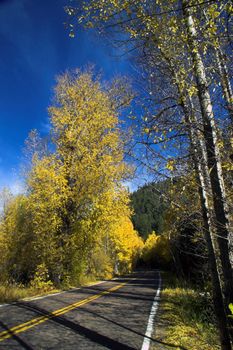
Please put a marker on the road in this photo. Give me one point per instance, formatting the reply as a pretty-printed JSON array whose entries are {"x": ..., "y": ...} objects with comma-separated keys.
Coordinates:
[{"x": 110, "y": 315}]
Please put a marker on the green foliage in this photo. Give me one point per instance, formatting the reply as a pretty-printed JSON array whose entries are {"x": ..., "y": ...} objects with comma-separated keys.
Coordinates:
[{"x": 148, "y": 209}]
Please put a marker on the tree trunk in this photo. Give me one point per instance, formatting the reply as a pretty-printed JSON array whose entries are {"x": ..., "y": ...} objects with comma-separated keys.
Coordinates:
[
  {"x": 204, "y": 186},
  {"x": 228, "y": 95},
  {"x": 225, "y": 82},
  {"x": 213, "y": 157}
]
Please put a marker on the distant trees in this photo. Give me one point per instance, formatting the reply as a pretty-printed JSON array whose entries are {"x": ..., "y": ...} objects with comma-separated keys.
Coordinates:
[
  {"x": 148, "y": 208},
  {"x": 182, "y": 232}
]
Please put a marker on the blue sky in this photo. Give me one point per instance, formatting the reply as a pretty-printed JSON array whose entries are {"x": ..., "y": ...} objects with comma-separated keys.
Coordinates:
[{"x": 35, "y": 47}]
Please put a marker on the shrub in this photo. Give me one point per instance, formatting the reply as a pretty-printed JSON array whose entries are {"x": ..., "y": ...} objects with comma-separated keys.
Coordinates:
[{"x": 41, "y": 279}]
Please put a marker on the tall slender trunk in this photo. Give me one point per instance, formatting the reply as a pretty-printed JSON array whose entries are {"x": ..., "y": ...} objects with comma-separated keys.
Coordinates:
[
  {"x": 225, "y": 84},
  {"x": 228, "y": 96},
  {"x": 202, "y": 173},
  {"x": 213, "y": 156},
  {"x": 225, "y": 81},
  {"x": 199, "y": 160}
]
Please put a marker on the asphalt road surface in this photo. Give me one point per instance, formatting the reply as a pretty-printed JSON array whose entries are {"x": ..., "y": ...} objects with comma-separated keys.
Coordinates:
[{"x": 109, "y": 315}]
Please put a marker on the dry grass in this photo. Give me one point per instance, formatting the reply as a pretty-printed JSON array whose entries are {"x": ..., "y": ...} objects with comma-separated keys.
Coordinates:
[
  {"x": 10, "y": 293},
  {"x": 187, "y": 318},
  {"x": 13, "y": 292}
]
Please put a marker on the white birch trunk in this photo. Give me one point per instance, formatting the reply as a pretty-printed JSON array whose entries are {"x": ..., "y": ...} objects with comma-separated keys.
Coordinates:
[{"x": 213, "y": 156}]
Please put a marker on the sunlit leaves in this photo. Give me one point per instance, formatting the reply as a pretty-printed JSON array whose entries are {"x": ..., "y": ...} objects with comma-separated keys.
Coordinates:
[
  {"x": 76, "y": 205},
  {"x": 156, "y": 250}
]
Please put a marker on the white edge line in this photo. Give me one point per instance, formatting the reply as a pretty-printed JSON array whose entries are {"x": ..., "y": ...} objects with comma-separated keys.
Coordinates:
[
  {"x": 52, "y": 294},
  {"x": 150, "y": 324}
]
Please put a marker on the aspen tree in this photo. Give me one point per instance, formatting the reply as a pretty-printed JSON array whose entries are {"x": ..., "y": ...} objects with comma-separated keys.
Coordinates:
[{"x": 213, "y": 155}]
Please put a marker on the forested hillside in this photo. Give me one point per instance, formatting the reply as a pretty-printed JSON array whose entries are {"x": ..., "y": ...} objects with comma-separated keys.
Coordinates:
[
  {"x": 171, "y": 120},
  {"x": 149, "y": 208}
]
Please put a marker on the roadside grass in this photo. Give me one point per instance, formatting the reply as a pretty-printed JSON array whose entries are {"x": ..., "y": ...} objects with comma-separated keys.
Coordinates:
[
  {"x": 10, "y": 293},
  {"x": 13, "y": 292},
  {"x": 187, "y": 317}
]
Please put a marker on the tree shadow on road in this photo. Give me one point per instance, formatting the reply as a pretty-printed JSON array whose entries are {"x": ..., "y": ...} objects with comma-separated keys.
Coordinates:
[
  {"x": 15, "y": 337},
  {"x": 91, "y": 334},
  {"x": 121, "y": 294}
]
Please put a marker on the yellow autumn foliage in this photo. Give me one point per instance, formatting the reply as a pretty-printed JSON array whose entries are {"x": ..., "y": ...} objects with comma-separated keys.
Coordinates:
[
  {"x": 127, "y": 245},
  {"x": 75, "y": 218},
  {"x": 16, "y": 241},
  {"x": 156, "y": 250}
]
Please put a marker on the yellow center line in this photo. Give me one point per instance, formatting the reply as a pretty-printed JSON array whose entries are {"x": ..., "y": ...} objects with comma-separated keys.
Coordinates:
[{"x": 38, "y": 320}]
